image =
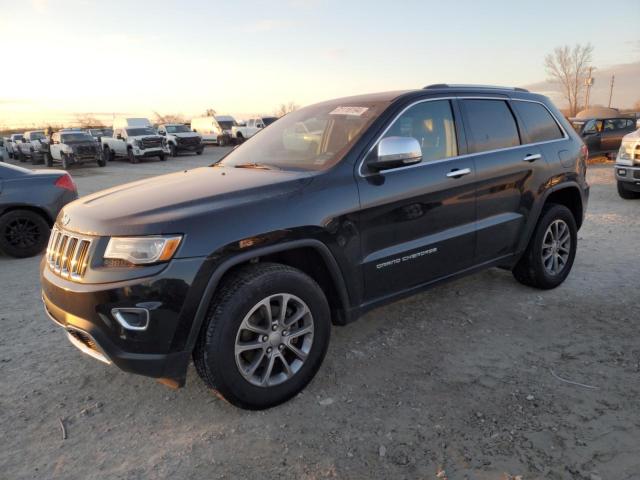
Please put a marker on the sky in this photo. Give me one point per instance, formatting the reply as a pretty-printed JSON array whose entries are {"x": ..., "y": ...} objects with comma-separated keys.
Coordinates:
[{"x": 119, "y": 57}]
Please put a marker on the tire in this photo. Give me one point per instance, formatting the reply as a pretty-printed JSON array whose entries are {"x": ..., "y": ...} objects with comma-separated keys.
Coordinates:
[
  {"x": 21, "y": 157},
  {"x": 131, "y": 156},
  {"x": 531, "y": 269},
  {"x": 625, "y": 193},
  {"x": 106, "y": 154},
  {"x": 65, "y": 161},
  {"x": 173, "y": 150},
  {"x": 222, "y": 141},
  {"x": 241, "y": 293},
  {"x": 199, "y": 152},
  {"x": 101, "y": 161},
  {"x": 239, "y": 138},
  {"x": 162, "y": 157},
  {"x": 23, "y": 233},
  {"x": 48, "y": 159}
]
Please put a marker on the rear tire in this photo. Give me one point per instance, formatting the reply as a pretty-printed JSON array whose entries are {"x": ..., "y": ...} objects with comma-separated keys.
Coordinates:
[
  {"x": 548, "y": 259},
  {"x": 199, "y": 152},
  {"x": 162, "y": 157},
  {"x": 21, "y": 157},
  {"x": 48, "y": 159},
  {"x": 287, "y": 350},
  {"x": 23, "y": 233},
  {"x": 625, "y": 193},
  {"x": 101, "y": 161},
  {"x": 106, "y": 154}
]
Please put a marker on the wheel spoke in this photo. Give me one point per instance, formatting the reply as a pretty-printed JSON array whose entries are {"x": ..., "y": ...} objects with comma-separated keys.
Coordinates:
[
  {"x": 269, "y": 369},
  {"x": 300, "y": 331},
  {"x": 256, "y": 363},
  {"x": 297, "y": 352},
  {"x": 285, "y": 364},
  {"x": 244, "y": 347},
  {"x": 302, "y": 311},
  {"x": 284, "y": 301}
]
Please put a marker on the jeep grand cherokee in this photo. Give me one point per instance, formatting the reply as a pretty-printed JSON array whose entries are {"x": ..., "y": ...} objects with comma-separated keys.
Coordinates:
[{"x": 333, "y": 210}]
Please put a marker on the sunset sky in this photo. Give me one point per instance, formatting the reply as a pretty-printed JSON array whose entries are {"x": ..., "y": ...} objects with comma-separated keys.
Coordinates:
[{"x": 123, "y": 57}]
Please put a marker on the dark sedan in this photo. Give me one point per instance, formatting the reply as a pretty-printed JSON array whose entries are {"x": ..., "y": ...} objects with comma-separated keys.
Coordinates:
[
  {"x": 29, "y": 204},
  {"x": 603, "y": 136}
]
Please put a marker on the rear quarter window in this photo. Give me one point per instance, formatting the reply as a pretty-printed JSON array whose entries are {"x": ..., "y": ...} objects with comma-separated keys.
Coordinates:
[
  {"x": 490, "y": 125},
  {"x": 538, "y": 122}
]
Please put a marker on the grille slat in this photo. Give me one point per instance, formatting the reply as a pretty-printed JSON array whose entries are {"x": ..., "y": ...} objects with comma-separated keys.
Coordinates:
[{"x": 68, "y": 254}]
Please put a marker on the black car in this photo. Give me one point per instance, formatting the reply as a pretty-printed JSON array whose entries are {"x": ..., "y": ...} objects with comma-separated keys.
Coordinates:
[
  {"x": 333, "y": 210},
  {"x": 29, "y": 204},
  {"x": 603, "y": 136}
]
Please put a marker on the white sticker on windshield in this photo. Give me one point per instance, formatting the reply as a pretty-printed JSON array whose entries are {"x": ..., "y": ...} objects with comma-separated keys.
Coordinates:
[{"x": 357, "y": 111}]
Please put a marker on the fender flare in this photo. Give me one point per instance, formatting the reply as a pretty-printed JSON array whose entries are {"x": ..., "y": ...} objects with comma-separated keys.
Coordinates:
[{"x": 218, "y": 273}]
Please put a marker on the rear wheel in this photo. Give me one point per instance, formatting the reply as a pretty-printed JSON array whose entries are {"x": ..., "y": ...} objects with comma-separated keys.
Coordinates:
[
  {"x": 106, "y": 154},
  {"x": 199, "y": 152},
  {"x": 101, "y": 161},
  {"x": 239, "y": 138},
  {"x": 265, "y": 335},
  {"x": 48, "y": 159},
  {"x": 552, "y": 249},
  {"x": 21, "y": 156},
  {"x": 162, "y": 157},
  {"x": 23, "y": 233},
  {"x": 625, "y": 193}
]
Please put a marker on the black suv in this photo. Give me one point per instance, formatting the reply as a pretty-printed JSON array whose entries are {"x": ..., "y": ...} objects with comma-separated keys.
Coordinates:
[{"x": 333, "y": 210}]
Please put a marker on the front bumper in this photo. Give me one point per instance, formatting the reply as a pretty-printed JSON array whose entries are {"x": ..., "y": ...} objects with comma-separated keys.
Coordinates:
[
  {"x": 628, "y": 174},
  {"x": 85, "y": 312}
]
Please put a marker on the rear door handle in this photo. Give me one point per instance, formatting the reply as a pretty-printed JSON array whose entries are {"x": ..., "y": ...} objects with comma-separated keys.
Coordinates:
[
  {"x": 532, "y": 157},
  {"x": 459, "y": 173}
]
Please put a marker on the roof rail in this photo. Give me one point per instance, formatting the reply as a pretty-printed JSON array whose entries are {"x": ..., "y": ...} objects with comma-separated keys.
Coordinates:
[{"x": 494, "y": 87}]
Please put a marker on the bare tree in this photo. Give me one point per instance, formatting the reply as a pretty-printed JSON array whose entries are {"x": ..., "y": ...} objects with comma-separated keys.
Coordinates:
[
  {"x": 285, "y": 108},
  {"x": 85, "y": 120},
  {"x": 168, "y": 118},
  {"x": 568, "y": 67},
  {"x": 210, "y": 112}
]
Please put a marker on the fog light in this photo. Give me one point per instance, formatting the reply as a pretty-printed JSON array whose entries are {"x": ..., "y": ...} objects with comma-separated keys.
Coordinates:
[
  {"x": 622, "y": 172},
  {"x": 132, "y": 318}
]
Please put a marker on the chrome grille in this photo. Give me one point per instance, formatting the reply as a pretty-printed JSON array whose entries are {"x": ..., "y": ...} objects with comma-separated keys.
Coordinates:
[
  {"x": 151, "y": 142},
  {"x": 68, "y": 254}
]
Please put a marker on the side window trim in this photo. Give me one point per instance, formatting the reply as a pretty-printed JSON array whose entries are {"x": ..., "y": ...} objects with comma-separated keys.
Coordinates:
[{"x": 454, "y": 100}]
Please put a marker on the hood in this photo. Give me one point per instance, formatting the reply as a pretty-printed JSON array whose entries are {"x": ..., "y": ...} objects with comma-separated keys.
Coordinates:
[
  {"x": 170, "y": 203},
  {"x": 140, "y": 137},
  {"x": 632, "y": 137},
  {"x": 184, "y": 134}
]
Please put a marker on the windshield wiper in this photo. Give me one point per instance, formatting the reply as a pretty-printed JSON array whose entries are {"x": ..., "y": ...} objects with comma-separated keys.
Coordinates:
[{"x": 263, "y": 166}]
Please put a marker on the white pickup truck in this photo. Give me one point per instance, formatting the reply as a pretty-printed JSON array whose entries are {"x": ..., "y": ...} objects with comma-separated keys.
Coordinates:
[
  {"x": 133, "y": 138},
  {"x": 252, "y": 126},
  {"x": 180, "y": 138},
  {"x": 70, "y": 147},
  {"x": 34, "y": 144}
]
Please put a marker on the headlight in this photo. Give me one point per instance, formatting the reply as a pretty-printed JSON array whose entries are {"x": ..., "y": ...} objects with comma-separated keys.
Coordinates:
[
  {"x": 137, "y": 143},
  {"x": 143, "y": 250}
]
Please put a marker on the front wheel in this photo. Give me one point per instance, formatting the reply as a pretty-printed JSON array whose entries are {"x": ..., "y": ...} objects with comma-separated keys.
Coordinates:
[
  {"x": 173, "y": 150},
  {"x": 548, "y": 259},
  {"x": 199, "y": 152},
  {"x": 65, "y": 161},
  {"x": 132, "y": 157},
  {"x": 265, "y": 335},
  {"x": 48, "y": 159},
  {"x": 625, "y": 193},
  {"x": 106, "y": 154}
]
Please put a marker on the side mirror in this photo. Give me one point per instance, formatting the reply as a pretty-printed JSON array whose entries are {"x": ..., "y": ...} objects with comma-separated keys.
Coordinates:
[{"x": 394, "y": 152}]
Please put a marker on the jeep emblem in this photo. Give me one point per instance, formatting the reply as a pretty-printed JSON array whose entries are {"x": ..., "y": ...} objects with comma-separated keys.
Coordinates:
[{"x": 65, "y": 219}]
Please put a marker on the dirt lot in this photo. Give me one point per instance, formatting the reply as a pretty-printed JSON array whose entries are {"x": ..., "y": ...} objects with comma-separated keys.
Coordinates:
[{"x": 461, "y": 382}]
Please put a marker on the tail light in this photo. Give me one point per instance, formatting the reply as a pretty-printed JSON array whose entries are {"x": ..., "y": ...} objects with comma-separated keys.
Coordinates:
[{"x": 66, "y": 182}]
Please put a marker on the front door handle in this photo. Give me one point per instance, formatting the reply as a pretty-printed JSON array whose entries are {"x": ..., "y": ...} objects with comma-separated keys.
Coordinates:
[
  {"x": 459, "y": 172},
  {"x": 532, "y": 157}
]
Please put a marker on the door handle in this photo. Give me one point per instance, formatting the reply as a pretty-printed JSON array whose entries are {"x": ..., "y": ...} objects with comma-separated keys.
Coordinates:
[
  {"x": 459, "y": 172},
  {"x": 532, "y": 157}
]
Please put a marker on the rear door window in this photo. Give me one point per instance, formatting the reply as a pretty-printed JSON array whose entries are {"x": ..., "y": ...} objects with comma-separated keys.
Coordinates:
[
  {"x": 490, "y": 125},
  {"x": 538, "y": 122}
]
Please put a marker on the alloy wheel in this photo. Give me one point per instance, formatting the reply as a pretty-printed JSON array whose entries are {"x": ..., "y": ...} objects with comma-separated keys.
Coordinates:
[
  {"x": 556, "y": 247},
  {"x": 274, "y": 340},
  {"x": 22, "y": 233}
]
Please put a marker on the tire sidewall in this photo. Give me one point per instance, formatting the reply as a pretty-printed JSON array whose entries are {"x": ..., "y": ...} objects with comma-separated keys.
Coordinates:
[
  {"x": 556, "y": 212},
  {"x": 220, "y": 352}
]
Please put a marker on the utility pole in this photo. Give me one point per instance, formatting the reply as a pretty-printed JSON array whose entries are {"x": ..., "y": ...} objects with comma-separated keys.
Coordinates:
[
  {"x": 588, "y": 83},
  {"x": 611, "y": 89}
]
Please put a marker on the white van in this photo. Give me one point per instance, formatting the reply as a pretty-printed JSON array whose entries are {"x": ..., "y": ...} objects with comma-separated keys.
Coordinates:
[{"x": 214, "y": 129}]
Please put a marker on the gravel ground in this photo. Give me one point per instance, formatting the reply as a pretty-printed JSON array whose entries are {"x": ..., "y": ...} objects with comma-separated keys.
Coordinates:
[{"x": 470, "y": 380}]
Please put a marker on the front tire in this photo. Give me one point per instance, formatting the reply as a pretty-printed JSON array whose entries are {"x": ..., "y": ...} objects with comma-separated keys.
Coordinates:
[
  {"x": 106, "y": 154},
  {"x": 48, "y": 159},
  {"x": 625, "y": 193},
  {"x": 548, "y": 259},
  {"x": 65, "y": 161},
  {"x": 131, "y": 156},
  {"x": 23, "y": 233},
  {"x": 252, "y": 351},
  {"x": 162, "y": 157},
  {"x": 173, "y": 150}
]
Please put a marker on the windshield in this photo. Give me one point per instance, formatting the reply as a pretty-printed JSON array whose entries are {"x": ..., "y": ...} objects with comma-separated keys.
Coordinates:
[
  {"x": 75, "y": 137},
  {"x": 136, "y": 132},
  {"x": 312, "y": 138},
  {"x": 37, "y": 136},
  {"x": 268, "y": 120},
  {"x": 226, "y": 124},
  {"x": 17, "y": 138},
  {"x": 177, "y": 129}
]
